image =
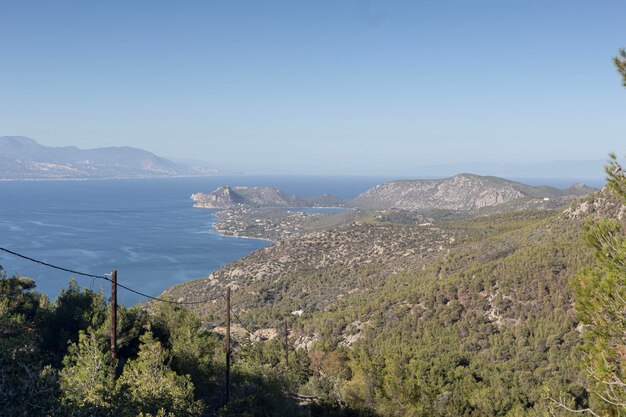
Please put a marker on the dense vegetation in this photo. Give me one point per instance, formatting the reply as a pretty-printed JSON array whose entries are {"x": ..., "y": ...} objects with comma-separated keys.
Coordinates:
[
  {"x": 483, "y": 328},
  {"x": 601, "y": 304},
  {"x": 54, "y": 361},
  {"x": 488, "y": 329},
  {"x": 485, "y": 323}
]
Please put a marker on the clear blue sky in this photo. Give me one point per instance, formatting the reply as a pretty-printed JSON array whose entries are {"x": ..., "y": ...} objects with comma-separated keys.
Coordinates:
[{"x": 353, "y": 87}]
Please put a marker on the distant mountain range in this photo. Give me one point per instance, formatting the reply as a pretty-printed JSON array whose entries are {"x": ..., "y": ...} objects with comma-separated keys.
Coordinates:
[
  {"x": 459, "y": 193},
  {"x": 24, "y": 158}
]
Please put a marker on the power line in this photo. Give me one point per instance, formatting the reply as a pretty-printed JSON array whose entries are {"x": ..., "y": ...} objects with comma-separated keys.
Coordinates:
[
  {"x": 52, "y": 266},
  {"x": 239, "y": 320},
  {"x": 115, "y": 284},
  {"x": 104, "y": 277}
]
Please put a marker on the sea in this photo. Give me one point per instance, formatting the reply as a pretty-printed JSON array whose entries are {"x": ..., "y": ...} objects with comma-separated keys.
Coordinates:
[{"x": 146, "y": 229}]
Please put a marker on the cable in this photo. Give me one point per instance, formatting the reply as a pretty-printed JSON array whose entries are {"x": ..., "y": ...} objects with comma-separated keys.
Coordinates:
[
  {"x": 104, "y": 277},
  {"x": 52, "y": 266},
  {"x": 60, "y": 268},
  {"x": 238, "y": 319}
]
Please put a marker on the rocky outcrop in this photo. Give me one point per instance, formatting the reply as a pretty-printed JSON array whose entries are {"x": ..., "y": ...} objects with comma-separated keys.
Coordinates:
[{"x": 601, "y": 204}]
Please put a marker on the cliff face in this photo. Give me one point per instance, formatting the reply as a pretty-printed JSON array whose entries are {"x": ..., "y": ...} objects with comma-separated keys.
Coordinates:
[
  {"x": 223, "y": 197},
  {"x": 463, "y": 192}
]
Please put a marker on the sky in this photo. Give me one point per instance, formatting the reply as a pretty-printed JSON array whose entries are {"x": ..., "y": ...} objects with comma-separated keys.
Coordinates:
[{"x": 318, "y": 87}]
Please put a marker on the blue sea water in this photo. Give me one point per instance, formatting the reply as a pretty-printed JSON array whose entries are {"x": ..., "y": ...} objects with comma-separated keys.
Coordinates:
[{"x": 146, "y": 229}]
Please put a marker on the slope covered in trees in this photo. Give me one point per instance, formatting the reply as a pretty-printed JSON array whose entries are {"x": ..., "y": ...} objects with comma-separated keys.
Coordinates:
[
  {"x": 54, "y": 361},
  {"x": 477, "y": 319}
]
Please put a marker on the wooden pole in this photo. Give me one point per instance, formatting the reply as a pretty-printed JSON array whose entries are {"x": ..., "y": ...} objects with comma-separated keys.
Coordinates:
[
  {"x": 227, "y": 390},
  {"x": 113, "y": 315},
  {"x": 286, "y": 346}
]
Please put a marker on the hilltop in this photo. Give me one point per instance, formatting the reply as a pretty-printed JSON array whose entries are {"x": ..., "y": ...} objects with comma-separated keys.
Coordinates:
[
  {"x": 24, "y": 158},
  {"x": 465, "y": 193}
]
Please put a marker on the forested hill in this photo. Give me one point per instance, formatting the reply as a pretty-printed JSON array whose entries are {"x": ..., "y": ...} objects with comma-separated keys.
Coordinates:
[
  {"x": 466, "y": 317},
  {"x": 380, "y": 317}
]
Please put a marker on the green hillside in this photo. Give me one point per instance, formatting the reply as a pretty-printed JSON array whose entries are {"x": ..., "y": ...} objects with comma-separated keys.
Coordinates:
[
  {"x": 465, "y": 317},
  {"x": 384, "y": 317}
]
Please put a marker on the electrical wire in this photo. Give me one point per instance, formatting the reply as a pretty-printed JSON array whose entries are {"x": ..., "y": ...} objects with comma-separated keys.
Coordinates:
[{"x": 104, "y": 277}]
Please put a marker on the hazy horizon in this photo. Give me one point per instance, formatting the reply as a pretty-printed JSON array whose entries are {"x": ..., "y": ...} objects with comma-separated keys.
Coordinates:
[
  {"x": 558, "y": 169},
  {"x": 324, "y": 88}
]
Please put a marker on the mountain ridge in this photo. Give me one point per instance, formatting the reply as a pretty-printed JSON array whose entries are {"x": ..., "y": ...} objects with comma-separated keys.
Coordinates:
[
  {"x": 463, "y": 192},
  {"x": 24, "y": 158}
]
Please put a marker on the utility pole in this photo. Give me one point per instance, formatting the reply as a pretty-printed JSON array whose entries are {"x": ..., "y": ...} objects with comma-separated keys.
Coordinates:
[
  {"x": 113, "y": 315},
  {"x": 227, "y": 390},
  {"x": 286, "y": 346}
]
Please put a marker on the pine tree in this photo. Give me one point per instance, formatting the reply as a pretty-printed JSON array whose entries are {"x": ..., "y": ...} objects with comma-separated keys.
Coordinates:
[
  {"x": 150, "y": 386},
  {"x": 27, "y": 386},
  {"x": 601, "y": 304},
  {"x": 620, "y": 64},
  {"x": 86, "y": 380}
]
